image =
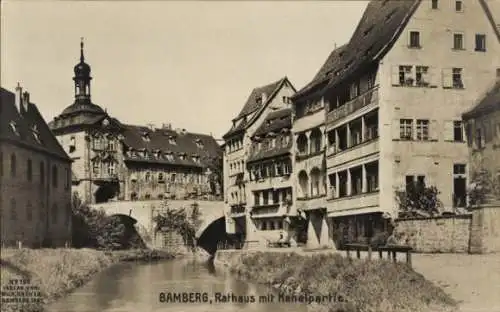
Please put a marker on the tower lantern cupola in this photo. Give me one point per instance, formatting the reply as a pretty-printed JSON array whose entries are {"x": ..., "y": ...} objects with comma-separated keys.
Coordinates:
[{"x": 82, "y": 78}]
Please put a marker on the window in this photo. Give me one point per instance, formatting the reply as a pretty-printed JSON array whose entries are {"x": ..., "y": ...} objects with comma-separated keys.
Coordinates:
[
  {"x": 498, "y": 73},
  {"x": 160, "y": 176},
  {"x": 97, "y": 143},
  {"x": 406, "y": 129},
  {"x": 405, "y": 75},
  {"x": 421, "y": 181},
  {"x": 68, "y": 178},
  {"x": 279, "y": 169},
  {"x": 111, "y": 144},
  {"x": 457, "y": 78},
  {"x": 29, "y": 211},
  {"x": 54, "y": 213},
  {"x": 434, "y": 4},
  {"x": 111, "y": 168},
  {"x": 54, "y": 176},
  {"x": 13, "y": 165},
  {"x": 95, "y": 167},
  {"x": 458, "y": 169},
  {"x": 458, "y": 134},
  {"x": 72, "y": 144},
  {"x": 13, "y": 209},
  {"x": 480, "y": 42},
  {"x": 414, "y": 39},
  {"x": 458, "y": 41},
  {"x": 459, "y": 6},
  {"x": 42, "y": 172},
  {"x": 420, "y": 75},
  {"x": 422, "y": 129},
  {"x": 479, "y": 138},
  {"x": 172, "y": 177},
  {"x": 29, "y": 170}
]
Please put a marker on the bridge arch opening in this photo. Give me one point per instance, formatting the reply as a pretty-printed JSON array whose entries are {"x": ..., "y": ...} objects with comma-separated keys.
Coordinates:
[{"x": 211, "y": 235}]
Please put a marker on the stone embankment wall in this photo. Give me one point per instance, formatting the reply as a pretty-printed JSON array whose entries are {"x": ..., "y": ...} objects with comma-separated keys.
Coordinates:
[
  {"x": 441, "y": 234},
  {"x": 478, "y": 232}
]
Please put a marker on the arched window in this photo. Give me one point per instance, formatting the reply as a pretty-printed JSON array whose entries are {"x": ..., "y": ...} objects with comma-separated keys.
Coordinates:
[
  {"x": 315, "y": 181},
  {"x": 29, "y": 211},
  {"x": 316, "y": 139},
  {"x": 54, "y": 176},
  {"x": 304, "y": 183},
  {"x": 13, "y": 165},
  {"x": 302, "y": 143}
]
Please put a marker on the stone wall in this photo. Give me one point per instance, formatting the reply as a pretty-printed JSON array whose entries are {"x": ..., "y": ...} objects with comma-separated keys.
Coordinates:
[
  {"x": 440, "y": 234},
  {"x": 485, "y": 229}
]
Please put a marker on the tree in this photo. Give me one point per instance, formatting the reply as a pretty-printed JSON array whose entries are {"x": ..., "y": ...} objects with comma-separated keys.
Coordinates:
[
  {"x": 482, "y": 187},
  {"x": 418, "y": 200}
]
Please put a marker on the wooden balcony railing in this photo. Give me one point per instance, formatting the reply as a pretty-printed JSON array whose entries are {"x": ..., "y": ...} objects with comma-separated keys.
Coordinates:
[{"x": 355, "y": 104}]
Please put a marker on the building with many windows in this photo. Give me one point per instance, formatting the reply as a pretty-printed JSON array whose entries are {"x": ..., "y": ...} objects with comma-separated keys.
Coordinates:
[
  {"x": 390, "y": 103},
  {"x": 261, "y": 102},
  {"x": 35, "y": 173},
  {"x": 115, "y": 161},
  {"x": 270, "y": 180}
]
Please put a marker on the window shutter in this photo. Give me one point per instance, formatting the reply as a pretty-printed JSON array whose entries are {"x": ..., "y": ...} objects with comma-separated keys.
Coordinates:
[
  {"x": 447, "y": 78},
  {"x": 395, "y": 75},
  {"x": 449, "y": 130},
  {"x": 395, "y": 129},
  {"x": 431, "y": 76},
  {"x": 434, "y": 130}
]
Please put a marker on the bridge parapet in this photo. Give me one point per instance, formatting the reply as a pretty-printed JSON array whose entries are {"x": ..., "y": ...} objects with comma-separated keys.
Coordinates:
[{"x": 144, "y": 211}]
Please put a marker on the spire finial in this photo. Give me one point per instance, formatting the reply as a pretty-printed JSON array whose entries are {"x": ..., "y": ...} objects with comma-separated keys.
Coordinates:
[{"x": 81, "y": 50}]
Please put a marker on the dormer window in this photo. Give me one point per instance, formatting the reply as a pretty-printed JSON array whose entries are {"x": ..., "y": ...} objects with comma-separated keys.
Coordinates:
[
  {"x": 111, "y": 144},
  {"x": 259, "y": 100},
  {"x": 147, "y": 178},
  {"x": 169, "y": 156},
  {"x": 182, "y": 156},
  {"x": 13, "y": 126},
  {"x": 199, "y": 143},
  {"x": 145, "y": 137},
  {"x": 36, "y": 134},
  {"x": 171, "y": 140},
  {"x": 196, "y": 158}
]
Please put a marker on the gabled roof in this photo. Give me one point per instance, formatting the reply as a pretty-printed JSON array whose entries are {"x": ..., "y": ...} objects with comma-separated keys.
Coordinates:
[
  {"x": 161, "y": 140},
  {"x": 275, "y": 121},
  {"x": 252, "y": 105},
  {"x": 378, "y": 29},
  {"x": 489, "y": 103},
  {"x": 25, "y": 128}
]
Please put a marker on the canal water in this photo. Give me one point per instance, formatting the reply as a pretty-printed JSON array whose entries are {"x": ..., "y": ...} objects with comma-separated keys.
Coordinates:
[{"x": 131, "y": 287}]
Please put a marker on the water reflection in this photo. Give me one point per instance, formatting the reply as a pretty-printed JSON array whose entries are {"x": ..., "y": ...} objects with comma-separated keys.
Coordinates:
[{"x": 134, "y": 287}]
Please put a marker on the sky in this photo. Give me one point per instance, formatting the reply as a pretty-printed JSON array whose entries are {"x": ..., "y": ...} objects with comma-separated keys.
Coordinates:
[{"x": 191, "y": 64}]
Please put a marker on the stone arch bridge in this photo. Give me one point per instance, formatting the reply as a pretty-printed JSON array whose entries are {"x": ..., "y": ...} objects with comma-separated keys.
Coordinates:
[{"x": 212, "y": 227}]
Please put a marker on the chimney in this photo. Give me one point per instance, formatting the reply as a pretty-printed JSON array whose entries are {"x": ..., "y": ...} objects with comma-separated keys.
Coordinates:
[
  {"x": 166, "y": 126},
  {"x": 26, "y": 101},
  {"x": 151, "y": 126},
  {"x": 19, "y": 97},
  {"x": 183, "y": 131}
]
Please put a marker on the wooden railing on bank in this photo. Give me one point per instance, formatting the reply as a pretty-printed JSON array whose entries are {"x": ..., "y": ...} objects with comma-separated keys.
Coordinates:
[{"x": 391, "y": 250}]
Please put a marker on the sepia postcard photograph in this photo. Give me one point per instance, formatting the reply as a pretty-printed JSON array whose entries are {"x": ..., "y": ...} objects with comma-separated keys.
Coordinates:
[{"x": 244, "y": 156}]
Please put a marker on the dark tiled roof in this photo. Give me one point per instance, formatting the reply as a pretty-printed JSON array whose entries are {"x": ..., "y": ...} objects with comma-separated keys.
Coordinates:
[
  {"x": 207, "y": 148},
  {"x": 488, "y": 104},
  {"x": 28, "y": 126},
  {"x": 275, "y": 121},
  {"x": 377, "y": 30},
  {"x": 253, "y": 105},
  {"x": 326, "y": 71}
]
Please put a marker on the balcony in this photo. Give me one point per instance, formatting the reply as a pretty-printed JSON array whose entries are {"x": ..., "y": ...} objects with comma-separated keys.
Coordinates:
[
  {"x": 367, "y": 148},
  {"x": 309, "y": 121},
  {"x": 270, "y": 183},
  {"x": 106, "y": 177},
  {"x": 311, "y": 203},
  {"x": 270, "y": 210},
  {"x": 350, "y": 205},
  {"x": 365, "y": 99}
]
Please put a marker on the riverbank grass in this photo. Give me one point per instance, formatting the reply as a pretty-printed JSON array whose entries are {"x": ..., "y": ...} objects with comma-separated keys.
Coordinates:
[
  {"x": 55, "y": 272},
  {"x": 354, "y": 285}
]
